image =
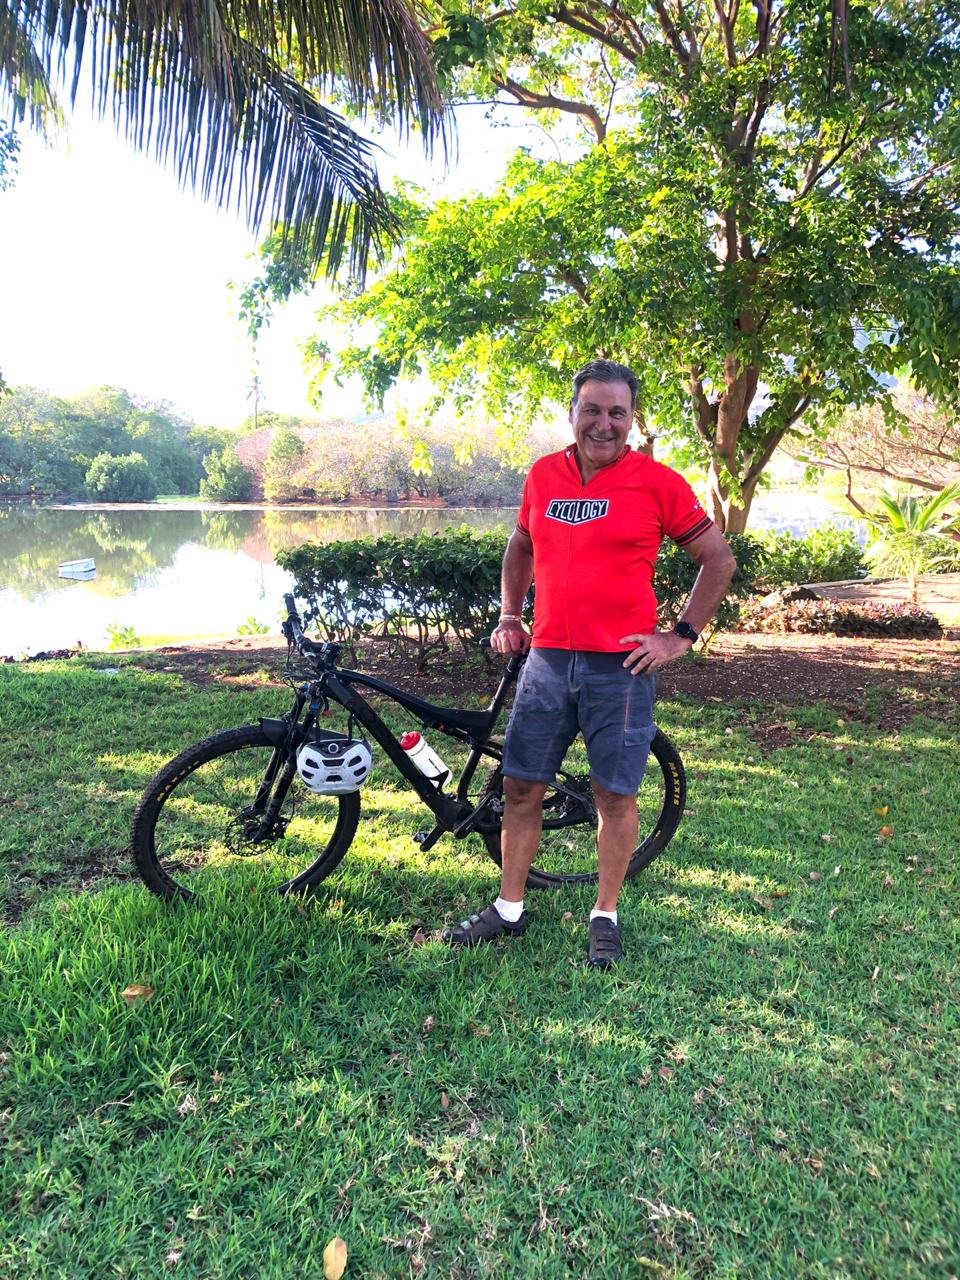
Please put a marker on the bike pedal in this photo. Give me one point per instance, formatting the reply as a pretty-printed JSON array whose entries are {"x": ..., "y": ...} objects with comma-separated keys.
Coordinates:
[{"x": 427, "y": 839}]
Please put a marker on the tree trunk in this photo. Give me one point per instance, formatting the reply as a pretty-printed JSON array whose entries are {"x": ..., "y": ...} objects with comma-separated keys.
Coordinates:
[{"x": 729, "y": 514}]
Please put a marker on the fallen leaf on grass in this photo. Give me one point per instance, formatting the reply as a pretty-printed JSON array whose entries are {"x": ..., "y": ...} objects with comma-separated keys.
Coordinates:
[
  {"x": 429, "y": 1023},
  {"x": 444, "y": 1099},
  {"x": 666, "y": 1073},
  {"x": 418, "y": 939},
  {"x": 887, "y": 880},
  {"x": 815, "y": 875},
  {"x": 828, "y": 839},
  {"x": 188, "y": 1106},
  {"x": 779, "y": 893},
  {"x": 136, "y": 992},
  {"x": 815, "y": 1165},
  {"x": 567, "y": 915},
  {"x": 875, "y": 974},
  {"x": 884, "y": 832},
  {"x": 335, "y": 1259},
  {"x": 882, "y": 811}
]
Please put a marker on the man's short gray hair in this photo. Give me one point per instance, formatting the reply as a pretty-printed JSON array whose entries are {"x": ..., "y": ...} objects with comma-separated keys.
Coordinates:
[{"x": 606, "y": 371}]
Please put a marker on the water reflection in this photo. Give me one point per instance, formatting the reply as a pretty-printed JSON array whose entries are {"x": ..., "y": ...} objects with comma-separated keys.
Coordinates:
[{"x": 170, "y": 571}]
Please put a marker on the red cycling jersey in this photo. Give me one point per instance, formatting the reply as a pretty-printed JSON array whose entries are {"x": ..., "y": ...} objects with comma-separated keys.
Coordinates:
[{"x": 595, "y": 544}]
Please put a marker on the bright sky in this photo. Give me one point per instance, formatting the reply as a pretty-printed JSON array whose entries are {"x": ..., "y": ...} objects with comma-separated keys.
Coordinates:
[{"x": 112, "y": 274}]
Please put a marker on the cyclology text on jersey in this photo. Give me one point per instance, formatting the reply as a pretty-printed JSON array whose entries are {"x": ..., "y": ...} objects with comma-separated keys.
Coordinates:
[{"x": 577, "y": 510}]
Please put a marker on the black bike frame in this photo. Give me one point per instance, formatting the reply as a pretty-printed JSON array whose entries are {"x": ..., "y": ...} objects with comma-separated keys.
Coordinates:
[{"x": 450, "y": 810}]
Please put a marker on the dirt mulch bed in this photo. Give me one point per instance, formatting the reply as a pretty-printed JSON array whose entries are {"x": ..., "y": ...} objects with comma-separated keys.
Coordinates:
[{"x": 882, "y": 682}]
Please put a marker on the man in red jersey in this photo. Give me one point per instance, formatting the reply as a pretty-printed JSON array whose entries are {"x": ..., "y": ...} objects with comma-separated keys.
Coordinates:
[{"x": 589, "y": 530}]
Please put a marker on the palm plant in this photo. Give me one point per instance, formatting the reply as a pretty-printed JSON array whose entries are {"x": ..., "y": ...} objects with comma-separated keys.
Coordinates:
[
  {"x": 226, "y": 91},
  {"x": 910, "y": 534}
]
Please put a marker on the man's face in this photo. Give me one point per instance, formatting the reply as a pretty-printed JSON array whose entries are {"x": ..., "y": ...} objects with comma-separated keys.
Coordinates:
[{"x": 601, "y": 417}]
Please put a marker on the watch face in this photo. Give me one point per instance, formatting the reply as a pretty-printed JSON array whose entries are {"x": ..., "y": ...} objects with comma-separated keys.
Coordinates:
[{"x": 685, "y": 630}]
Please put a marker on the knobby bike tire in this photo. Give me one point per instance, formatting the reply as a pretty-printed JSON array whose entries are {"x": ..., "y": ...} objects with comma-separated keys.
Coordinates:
[
  {"x": 567, "y": 853},
  {"x": 192, "y": 826}
]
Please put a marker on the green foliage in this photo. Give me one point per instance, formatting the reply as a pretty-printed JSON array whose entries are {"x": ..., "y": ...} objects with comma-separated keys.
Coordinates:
[
  {"x": 283, "y": 458},
  {"x": 121, "y": 636},
  {"x": 675, "y": 574},
  {"x": 415, "y": 590},
  {"x": 47, "y": 444},
  {"x": 910, "y": 534},
  {"x": 226, "y": 479},
  {"x": 764, "y": 561},
  {"x": 838, "y": 618},
  {"x": 9, "y": 146},
  {"x": 823, "y": 555},
  {"x": 251, "y": 627},
  {"x": 744, "y": 219},
  {"x": 120, "y": 479}
]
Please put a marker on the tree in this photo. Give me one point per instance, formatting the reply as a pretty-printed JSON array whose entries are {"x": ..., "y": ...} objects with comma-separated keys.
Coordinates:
[
  {"x": 226, "y": 479},
  {"x": 911, "y": 535},
  {"x": 120, "y": 479},
  {"x": 227, "y": 92},
  {"x": 280, "y": 482},
  {"x": 917, "y": 446},
  {"x": 761, "y": 216}
]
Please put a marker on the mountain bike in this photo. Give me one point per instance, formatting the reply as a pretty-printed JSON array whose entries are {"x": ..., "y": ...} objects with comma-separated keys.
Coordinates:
[{"x": 236, "y": 804}]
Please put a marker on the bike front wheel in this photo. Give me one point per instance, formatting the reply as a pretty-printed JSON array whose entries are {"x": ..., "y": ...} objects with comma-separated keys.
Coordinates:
[
  {"x": 231, "y": 813},
  {"x": 568, "y": 844}
]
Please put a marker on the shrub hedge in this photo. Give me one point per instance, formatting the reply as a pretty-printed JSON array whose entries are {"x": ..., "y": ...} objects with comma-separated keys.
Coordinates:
[{"x": 420, "y": 591}]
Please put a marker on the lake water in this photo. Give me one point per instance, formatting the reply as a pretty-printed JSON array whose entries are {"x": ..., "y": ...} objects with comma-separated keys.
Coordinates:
[{"x": 170, "y": 572}]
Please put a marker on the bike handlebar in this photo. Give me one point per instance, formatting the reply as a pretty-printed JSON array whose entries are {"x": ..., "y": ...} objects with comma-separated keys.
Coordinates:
[{"x": 293, "y": 630}]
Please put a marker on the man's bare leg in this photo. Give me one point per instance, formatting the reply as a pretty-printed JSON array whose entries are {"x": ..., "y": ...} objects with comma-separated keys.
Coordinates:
[
  {"x": 520, "y": 838},
  {"x": 519, "y": 833},
  {"x": 616, "y": 841}
]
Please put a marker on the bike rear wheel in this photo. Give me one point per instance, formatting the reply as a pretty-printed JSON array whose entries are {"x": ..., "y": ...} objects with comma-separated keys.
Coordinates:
[
  {"x": 568, "y": 845},
  {"x": 205, "y": 822}
]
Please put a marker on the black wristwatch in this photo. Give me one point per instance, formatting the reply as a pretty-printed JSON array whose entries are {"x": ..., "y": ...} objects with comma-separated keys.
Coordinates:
[{"x": 686, "y": 632}]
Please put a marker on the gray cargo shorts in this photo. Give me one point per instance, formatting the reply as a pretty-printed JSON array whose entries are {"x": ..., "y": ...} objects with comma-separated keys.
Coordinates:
[{"x": 561, "y": 692}]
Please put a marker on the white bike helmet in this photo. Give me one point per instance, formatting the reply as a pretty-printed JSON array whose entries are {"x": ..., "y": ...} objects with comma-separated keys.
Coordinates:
[{"x": 334, "y": 764}]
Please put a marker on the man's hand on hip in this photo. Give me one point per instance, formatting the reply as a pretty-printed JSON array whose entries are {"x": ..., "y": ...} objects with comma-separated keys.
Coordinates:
[
  {"x": 510, "y": 638},
  {"x": 653, "y": 651}
]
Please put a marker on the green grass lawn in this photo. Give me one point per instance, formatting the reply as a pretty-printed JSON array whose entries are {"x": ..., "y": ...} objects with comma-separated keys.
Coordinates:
[{"x": 767, "y": 1086}]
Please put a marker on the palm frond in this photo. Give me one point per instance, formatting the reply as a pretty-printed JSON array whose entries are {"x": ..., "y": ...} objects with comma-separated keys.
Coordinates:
[
  {"x": 205, "y": 84},
  {"x": 23, "y": 74},
  {"x": 933, "y": 513}
]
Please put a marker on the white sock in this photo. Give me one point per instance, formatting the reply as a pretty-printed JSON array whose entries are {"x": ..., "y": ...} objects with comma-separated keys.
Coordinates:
[
  {"x": 510, "y": 911},
  {"x": 604, "y": 915}
]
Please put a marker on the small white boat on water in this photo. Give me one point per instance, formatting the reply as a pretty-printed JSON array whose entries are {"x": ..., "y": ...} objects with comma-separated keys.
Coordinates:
[{"x": 82, "y": 570}]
